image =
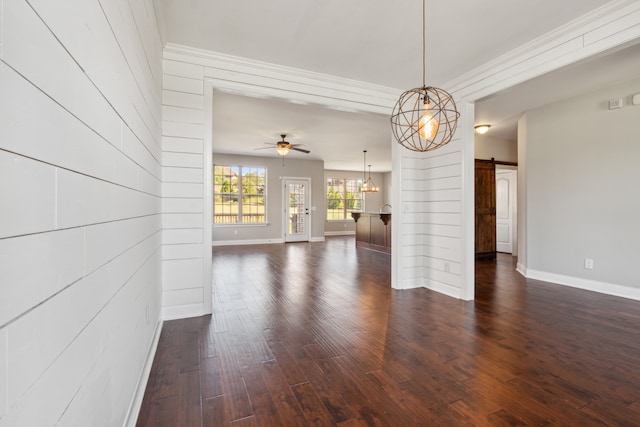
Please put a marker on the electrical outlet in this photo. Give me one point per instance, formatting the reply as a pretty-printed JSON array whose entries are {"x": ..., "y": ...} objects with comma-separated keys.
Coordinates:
[
  {"x": 588, "y": 263},
  {"x": 614, "y": 104}
]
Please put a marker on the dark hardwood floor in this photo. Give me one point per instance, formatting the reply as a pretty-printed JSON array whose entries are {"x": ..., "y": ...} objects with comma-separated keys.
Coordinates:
[{"x": 312, "y": 335}]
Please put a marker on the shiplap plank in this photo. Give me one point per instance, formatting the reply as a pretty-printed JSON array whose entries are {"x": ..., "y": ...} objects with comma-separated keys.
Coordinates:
[
  {"x": 182, "y": 145},
  {"x": 431, "y": 173},
  {"x": 435, "y": 230},
  {"x": 174, "y": 298},
  {"x": 182, "y": 99},
  {"x": 181, "y": 251},
  {"x": 183, "y": 174},
  {"x": 182, "y": 205},
  {"x": 439, "y": 207},
  {"x": 182, "y": 273},
  {"x": 182, "y": 84},
  {"x": 27, "y": 189},
  {"x": 432, "y": 184},
  {"x": 185, "y": 160},
  {"x": 182, "y": 220},
  {"x": 182, "y": 130},
  {"x": 179, "y": 190},
  {"x": 60, "y": 258},
  {"x": 182, "y": 69},
  {"x": 182, "y": 236},
  {"x": 431, "y": 195},
  {"x": 3, "y": 371},
  {"x": 183, "y": 115}
]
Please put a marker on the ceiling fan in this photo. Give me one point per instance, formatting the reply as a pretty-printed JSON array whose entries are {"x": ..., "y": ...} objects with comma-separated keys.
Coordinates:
[{"x": 283, "y": 147}]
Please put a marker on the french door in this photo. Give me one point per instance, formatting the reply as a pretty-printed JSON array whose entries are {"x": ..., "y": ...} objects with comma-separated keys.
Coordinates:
[{"x": 297, "y": 217}]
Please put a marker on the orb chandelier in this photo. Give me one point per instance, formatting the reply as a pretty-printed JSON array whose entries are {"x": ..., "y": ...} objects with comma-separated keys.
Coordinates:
[{"x": 424, "y": 118}]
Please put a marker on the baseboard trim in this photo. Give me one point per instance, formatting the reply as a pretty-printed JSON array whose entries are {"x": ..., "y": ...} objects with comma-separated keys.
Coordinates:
[
  {"x": 586, "y": 284},
  {"x": 136, "y": 403},
  {"x": 442, "y": 288},
  {"x": 521, "y": 269},
  {"x": 184, "y": 311},
  {"x": 246, "y": 242},
  {"x": 257, "y": 241},
  {"x": 339, "y": 233}
]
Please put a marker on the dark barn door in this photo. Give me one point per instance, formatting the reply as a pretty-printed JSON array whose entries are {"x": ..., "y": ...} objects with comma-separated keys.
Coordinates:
[{"x": 485, "y": 209}]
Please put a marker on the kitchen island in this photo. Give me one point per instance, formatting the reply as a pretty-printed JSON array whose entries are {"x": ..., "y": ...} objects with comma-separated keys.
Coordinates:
[{"x": 373, "y": 230}]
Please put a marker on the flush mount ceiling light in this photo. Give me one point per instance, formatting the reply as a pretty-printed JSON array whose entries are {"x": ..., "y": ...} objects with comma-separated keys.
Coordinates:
[
  {"x": 424, "y": 118},
  {"x": 482, "y": 129},
  {"x": 367, "y": 183}
]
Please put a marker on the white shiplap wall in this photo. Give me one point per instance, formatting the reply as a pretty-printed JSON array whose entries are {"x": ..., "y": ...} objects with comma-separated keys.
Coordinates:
[
  {"x": 184, "y": 255},
  {"x": 430, "y": 221},
  {"x": 80, "y": 198},
  {"x": 190, "y": 75}
]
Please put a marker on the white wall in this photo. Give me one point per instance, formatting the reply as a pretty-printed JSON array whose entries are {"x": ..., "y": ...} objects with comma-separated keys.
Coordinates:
[
  {"x": 583, "y": 199},
  {"x": 273, "y": 232},
  {"x": 80, "y": 203},
  {"x": 488, "y": 147},
  {"x": 430, "y": 226},
  {"x": 186, "y": 251},
  {"x": 608, "y": 27}
]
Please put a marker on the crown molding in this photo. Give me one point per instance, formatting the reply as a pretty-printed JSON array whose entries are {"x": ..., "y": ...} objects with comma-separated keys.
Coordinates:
[
  {"x": 257, "y": 78},
  {"x": 609, "y": 26}
]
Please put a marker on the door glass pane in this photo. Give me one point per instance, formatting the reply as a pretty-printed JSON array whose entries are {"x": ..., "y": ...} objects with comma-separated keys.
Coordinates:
[{"x": 296, "y": 209}]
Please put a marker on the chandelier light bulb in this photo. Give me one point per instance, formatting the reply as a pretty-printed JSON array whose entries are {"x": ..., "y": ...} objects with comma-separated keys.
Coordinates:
[{"x": 427, "y": 125}]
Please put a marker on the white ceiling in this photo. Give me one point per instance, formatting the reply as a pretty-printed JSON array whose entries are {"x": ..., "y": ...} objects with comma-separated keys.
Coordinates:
[
  {"x": 337, "y": 137},
  {"x": 375, "y": 42}
]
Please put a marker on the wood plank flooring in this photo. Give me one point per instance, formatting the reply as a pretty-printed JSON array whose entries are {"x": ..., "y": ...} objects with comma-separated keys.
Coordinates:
[{"x": 312, "y": 335}]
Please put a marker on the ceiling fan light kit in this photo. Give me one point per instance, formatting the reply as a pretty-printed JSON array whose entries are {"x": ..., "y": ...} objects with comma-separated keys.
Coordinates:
[
  {"x": 283, "y": 147},
  {"x": 424, "y": 118}
]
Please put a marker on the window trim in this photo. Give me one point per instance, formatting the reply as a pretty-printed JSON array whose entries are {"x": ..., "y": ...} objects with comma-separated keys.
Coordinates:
[
  {"x": 240, "y": 195},
  {"x": 346, "y": 211}
]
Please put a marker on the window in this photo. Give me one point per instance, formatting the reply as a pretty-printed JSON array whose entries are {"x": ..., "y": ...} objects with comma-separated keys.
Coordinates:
[
  {"x": 343, "y": 196},
  {"x": 239, "y": 195}
]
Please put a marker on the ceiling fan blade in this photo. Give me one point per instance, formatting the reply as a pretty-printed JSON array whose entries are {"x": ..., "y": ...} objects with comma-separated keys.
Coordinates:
[{"x": 301, "y": 150}]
